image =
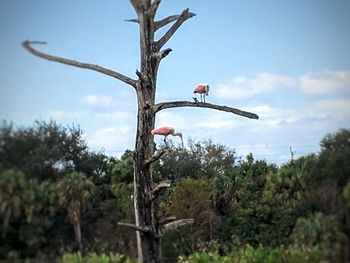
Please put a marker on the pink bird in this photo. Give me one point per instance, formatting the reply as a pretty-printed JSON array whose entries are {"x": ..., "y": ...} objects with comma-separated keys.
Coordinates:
[
  {"x": 165, "y": 131},
  {"x": 203, "y": 90}
]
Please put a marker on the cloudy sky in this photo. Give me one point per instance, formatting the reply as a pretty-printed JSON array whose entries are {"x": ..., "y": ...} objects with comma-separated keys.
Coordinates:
[{"x": 288, "y": 61}]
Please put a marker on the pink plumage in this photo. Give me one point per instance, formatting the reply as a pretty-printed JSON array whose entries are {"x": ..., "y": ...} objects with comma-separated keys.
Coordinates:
[
  {"x": 201, "y": 88},
  {"x": 165, "y": 130}
]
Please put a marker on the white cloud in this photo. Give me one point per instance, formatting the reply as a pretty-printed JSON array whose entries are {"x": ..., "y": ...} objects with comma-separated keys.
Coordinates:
[
  {"x": 216, "y": 125},
  {"x": 274, "y": 114},
  {"x": 115, "y": 115},
  {"x": 111, "y": 139},
  {"x": 97, "y": 101},
  {"x": 241, "y": 86},
  {"x": 325, "y": 82},
  {"x": 336, "y": 107},
  {"x": 258, "y": 149},
  {"x": 170, "y": 119}
]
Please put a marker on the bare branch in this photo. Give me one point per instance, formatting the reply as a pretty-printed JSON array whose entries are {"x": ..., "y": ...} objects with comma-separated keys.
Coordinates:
[
  {"x": 27, "y": 45},
  {"x": 176, "y": 224},
  {"x": 177, "y": 104},
  {"x": 166, "y": 220},
  {"x": 154, "y": 6},
  {"x": 162, "y": 54},
  {"x": 165, "y": 21},
  {"x": 182, "y": 18},
  {"x": 141, "y": 76},
  {"x": 135, "y": 227},
  {"x": 157, "y": 155},
  {"x": 162, "y": 185},
  {"x": 134, "y": 20}
]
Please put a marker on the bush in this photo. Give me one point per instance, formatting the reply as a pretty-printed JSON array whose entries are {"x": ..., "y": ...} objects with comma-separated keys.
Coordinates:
[
  {"x": 94, "y": 258},
  {"x": 260, "y": 254}
]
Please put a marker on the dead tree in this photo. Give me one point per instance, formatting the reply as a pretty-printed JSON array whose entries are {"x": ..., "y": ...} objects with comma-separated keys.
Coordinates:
[{"x": 148, "y": 227}]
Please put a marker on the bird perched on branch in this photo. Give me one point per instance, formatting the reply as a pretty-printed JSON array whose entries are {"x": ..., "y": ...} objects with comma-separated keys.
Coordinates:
[
  {"x": 203, "y": 90},
  {"x": 165, "y": 131}
]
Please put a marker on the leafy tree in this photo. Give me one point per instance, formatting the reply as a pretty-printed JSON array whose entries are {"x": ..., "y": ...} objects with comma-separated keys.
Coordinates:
[
  {"x": 191, "y": 199},
  {"x": 27, "y": 209},
  {"x": 201, "y": 160},
  {"x": 262, "y": 213},
  {"x": 74, "y": 190},
  {"x": 321, "y": 230},
  {"x": 346, "y": 193},
  {"x": 334, "y": 157},
  {"x": 109, "y": 203},
  {"x": 44, "y": 151},
  {"x": 326, "y": 176}
]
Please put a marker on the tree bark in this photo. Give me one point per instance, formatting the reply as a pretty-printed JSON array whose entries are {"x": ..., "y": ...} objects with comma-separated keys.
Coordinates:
[
  {"x": 145, "y": 217},
  {"x": 6, "y": 222},
  {"x": 77, "y": 233}
]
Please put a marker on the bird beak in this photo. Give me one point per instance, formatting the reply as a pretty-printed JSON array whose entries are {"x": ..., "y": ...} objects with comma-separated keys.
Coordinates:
[{"x": 180, "y": 135}]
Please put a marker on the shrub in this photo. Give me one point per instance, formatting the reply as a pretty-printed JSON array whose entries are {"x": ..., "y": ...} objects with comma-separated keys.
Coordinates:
[{"x": 94, "y": 258}]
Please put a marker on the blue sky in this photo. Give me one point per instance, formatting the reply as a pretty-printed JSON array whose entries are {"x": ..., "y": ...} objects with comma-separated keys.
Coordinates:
[{"x": 288, "y": 61}]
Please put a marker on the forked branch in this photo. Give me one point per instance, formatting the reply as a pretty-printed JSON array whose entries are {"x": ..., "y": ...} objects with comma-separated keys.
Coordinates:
[
  {"x": 178, "y": 104},
  {"x": 154, "y": 6},
  {"x": 158, "y": 189},
  {"x": 165, "y": 21},
  {"x": 157, "y": 155},
  {"x": 27, "y": 45},
  {"x": 186, "y": 14}
]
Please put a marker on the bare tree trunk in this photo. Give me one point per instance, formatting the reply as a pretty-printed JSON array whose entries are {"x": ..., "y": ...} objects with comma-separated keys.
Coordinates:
[
  {"x": 147, "y": 242},
  {"x": 6, "y": 222},
  {"x": 77, "y": 234},
  {"x": 145, "y": 217}
]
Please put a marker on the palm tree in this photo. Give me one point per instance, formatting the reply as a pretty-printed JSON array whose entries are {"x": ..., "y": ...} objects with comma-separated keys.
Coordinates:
[{"x": 74, "y": 191}]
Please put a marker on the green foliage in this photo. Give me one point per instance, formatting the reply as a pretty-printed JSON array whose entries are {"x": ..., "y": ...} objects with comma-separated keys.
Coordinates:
[
  {"x": 26, "y": 213},
  {"x": 259, "y": 215},
  {"x": 346, "y": 193},
  {"x": 123, "y": 169},
  {"x": 334, "y": 157},
  {"x": 43, "y": 151},
  {"x": 260, "y": 254},
  {"x": 204, "y": 257},
  {"x": 191, "y": 199},
  {"x": 200, "y": 161},
  {"x": 74, "y": 190},
  {"x": 318, "y": 229},
  {"x": 95, "y": 258},
  {"x": 244, "y": 211}
]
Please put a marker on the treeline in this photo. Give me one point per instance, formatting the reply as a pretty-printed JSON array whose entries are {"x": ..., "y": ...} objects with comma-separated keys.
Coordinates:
[{"x": 58, "y": 197}]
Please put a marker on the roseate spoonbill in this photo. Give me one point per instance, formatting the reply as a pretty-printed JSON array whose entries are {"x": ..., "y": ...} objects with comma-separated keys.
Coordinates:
[
  {"x": 165, "y": 131},
  {"x": 203, "y": 90}
]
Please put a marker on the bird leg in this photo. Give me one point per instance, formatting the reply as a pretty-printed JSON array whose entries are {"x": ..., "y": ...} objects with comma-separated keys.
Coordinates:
[{"x": 166, "y": 143}]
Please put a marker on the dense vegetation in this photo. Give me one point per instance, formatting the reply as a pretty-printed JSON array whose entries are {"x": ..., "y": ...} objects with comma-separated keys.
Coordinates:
[{"x": 57, "y": 198}]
